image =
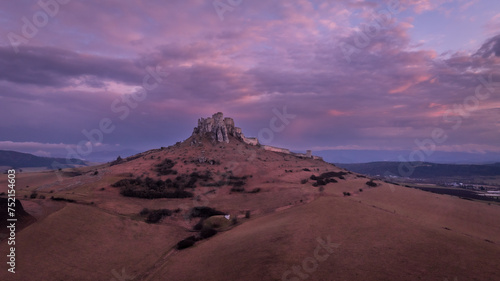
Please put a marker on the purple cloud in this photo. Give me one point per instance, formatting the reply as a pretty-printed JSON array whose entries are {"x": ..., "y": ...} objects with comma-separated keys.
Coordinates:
[{"x": 263, "y": 55}]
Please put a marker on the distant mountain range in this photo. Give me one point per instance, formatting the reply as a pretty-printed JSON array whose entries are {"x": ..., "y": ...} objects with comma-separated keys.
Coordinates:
[
  {"x": 423, "y": 169},
  {"x": 14, "y": 159}
]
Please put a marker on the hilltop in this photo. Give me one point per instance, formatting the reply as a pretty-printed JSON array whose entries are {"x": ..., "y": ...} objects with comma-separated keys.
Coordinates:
[{"x": 244, "y": 211}]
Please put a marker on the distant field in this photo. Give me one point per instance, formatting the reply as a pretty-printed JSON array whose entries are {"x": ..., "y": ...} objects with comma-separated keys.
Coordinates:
[
  {"x": 462, "y": 193},
  {"x": 479, "y": 174}
]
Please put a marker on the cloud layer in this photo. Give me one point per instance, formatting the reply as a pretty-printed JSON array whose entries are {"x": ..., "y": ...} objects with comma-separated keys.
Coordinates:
[{"x": 351, "y": 71}]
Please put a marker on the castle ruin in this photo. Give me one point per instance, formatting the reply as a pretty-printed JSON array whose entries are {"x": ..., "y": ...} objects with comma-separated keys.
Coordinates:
[{"x": 220, "y": 128}]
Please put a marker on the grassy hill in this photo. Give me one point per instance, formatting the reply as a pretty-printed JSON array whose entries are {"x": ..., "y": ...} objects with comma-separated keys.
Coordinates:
[{"x": 94, "y": 224}]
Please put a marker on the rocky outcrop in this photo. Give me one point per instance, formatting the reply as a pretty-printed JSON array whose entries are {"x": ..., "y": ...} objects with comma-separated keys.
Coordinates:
[{"x": 218, "y": 127}]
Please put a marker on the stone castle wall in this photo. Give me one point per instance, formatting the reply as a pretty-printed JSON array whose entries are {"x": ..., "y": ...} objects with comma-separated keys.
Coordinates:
[{"x": 276, "y": 149}]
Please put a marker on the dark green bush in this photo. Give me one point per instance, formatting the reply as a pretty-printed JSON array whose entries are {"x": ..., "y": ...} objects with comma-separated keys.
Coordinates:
[
  {"x": 237, "y": 189},
  {"x": 144, "y": 212},
  {"x": 165, "y": 167},
  {"x": 207, "y": 232},
  {"x": 155, "y": 216},
  {"x": 204, "y": 212},
  {"x": 62, "y": 199},
  {"x": 149, "y": 188},
  {"x": 186, "y": 243}
]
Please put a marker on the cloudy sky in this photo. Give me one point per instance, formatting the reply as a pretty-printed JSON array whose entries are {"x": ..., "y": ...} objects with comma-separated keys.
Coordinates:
[{"x": 327, "y": 75}]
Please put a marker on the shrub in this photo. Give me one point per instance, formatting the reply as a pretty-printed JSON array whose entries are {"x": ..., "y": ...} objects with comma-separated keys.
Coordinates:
[
  {"x": 165, "y": 167},
  {"x": 151, "y": 194},
  {"x": 149, "y": 188},
  {"x": 255, "y": 190},
  {"x": 155, "y": 216},
  {"x": 33, "y": 195},
  {"x": 306, "y": 169},
  {"x": 144, "y": 212},
  {"x": 186, "y": 243},
  {"x": 62, "y": 199},
  {"x": 207, "y": 232},
  {"x": 347, "y": 193},
  {"x": 125, "y": 182},
  {"x": 215, "y": 184},
  {"x": 117, "y": 161},
  {"x": 371, "y": 183},
  {"x": 247, "y": 214},
  {"x": 332, "y": 174},
  {"x": 237, "y": 189},
  {"x": 304, "y": 181},
  {"x": 199, "y": 225},
  {"x": 321, "y": 182},
  {"x": 236, "y": 183},
  {"x": 204, "y": 212},
  {"x": 42, "y": 197},
  {"x": 360, "y": 190}
]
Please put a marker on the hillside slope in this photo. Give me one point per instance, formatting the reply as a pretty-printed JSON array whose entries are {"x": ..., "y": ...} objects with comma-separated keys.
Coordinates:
[{"x": 385, "y": 232}]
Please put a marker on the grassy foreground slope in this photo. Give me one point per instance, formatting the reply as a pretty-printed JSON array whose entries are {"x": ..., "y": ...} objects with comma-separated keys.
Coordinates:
[{"x": 381, "y": 237}]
